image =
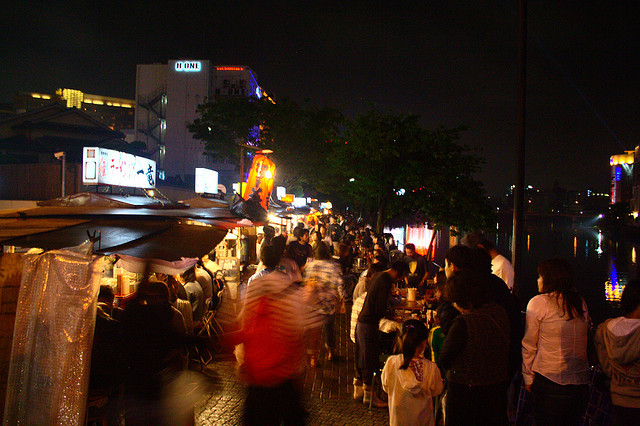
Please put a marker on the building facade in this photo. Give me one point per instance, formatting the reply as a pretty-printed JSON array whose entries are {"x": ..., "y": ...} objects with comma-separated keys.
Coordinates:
[
  {"x": 167, "y": 97},
  {"x": 116, "y": 113},
  {"x": 621, "y": 178}
]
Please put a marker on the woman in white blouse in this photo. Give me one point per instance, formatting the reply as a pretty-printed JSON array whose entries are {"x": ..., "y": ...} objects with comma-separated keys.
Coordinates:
[{"x": 554, "y": 348}]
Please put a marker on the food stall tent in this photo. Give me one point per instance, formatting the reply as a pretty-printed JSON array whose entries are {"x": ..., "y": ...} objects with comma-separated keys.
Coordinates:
[{"x": 55, "y": 310}]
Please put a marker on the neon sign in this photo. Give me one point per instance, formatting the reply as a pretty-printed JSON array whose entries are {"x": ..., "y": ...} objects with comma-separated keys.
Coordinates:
[
  {"x": 229, "y": 68},
  {"x": 188, "y": 66}
]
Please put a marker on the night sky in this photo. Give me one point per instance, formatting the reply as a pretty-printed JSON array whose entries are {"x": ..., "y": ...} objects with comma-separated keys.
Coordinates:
[{"x": 452, "y": 62}]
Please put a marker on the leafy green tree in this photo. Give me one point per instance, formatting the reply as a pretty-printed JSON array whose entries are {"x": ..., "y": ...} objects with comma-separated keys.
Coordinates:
[
  {"x": 393, "y": 166},
  {"x": 226, "y": 123},
  {"x": 383, "y": 163}
]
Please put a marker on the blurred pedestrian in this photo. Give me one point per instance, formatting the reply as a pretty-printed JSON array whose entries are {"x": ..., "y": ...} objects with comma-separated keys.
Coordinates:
[
  {"x": 325, "y": 294},
  {"x": 153, "y": 332},
  {"x": 272, "y": 333}
]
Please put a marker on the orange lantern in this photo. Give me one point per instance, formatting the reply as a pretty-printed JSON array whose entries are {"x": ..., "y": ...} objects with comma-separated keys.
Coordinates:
[{"x": 260, "y": 180}]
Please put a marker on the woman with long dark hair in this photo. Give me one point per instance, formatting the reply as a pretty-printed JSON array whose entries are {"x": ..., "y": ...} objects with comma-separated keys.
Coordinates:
[{"x": 554, "y": 348}]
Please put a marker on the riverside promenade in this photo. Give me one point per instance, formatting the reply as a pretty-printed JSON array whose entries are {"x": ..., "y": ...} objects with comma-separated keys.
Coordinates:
[{"x": 328, "y": 390}]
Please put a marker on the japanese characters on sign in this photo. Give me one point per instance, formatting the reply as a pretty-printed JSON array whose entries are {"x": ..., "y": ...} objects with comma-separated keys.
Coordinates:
[{"x": 109, "y": 167}]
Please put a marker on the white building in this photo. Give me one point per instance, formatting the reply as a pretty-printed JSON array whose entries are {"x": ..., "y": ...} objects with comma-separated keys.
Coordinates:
[{"x": 167, "y": 96}]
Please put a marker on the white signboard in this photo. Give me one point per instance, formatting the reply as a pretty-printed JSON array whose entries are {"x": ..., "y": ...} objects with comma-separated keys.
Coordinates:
[
  {"x": 206, "y": 181},
  {"x": 109, "y": 167},
  {"x": 281, "y": 192},
  {"x": 188, "y": 66},
  {"x": 299, "y": 202}
]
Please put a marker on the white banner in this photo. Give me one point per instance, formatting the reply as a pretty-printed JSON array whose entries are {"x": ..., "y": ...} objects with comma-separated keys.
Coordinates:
[{"x": 109, "y": 167}]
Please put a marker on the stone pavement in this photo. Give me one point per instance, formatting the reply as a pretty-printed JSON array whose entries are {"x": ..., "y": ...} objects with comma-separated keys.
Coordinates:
[{"x": 328, "y": 390}]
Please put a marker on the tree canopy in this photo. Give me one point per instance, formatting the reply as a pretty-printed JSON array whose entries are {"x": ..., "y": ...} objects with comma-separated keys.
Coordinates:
[
  {"x": 392, "y": 166},
  {"x": 383, "y": 165}
]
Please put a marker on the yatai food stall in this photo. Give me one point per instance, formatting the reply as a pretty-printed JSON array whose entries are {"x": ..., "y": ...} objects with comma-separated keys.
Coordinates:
[{"x": 49, "y": 299}]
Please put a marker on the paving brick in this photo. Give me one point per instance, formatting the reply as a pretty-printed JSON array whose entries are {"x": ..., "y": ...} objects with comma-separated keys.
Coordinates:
[{"x": 327, "y": 389}]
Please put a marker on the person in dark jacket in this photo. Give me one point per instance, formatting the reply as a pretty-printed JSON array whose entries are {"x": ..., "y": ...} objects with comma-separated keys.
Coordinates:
[
  {"x": 475, "y": 354},
  {"x": 376, "y": 305}
]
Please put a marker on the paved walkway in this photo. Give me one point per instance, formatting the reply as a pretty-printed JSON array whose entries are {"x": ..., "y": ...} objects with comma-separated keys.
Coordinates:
[{"x": 328, "y": 390}]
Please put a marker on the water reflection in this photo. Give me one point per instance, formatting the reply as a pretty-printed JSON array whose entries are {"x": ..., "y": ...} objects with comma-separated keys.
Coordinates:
[
  {"x": 603, "y": 266},
  {"x": 614, "y": 285},
  {"x": 599, "y": 248}
]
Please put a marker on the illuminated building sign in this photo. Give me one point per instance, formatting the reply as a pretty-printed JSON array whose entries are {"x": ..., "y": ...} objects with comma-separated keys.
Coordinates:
[
  {"x": 188, "y": 66},
  {"x": 281, "y": 192},
  {"x": 109, "y": 167},
  {"x": 206, "y": 181},
  {"x": 229, "y": 68}
]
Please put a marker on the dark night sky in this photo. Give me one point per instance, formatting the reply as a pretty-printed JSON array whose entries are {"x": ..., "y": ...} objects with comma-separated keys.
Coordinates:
[{"x": 452, "y": 62}]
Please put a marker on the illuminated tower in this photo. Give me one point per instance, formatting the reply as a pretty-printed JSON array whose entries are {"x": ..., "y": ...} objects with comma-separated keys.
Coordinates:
[{"x": 621, "y": 177}]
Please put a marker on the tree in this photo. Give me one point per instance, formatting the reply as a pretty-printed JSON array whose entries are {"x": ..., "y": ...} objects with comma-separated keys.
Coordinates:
[
  {"x": 392, "y": 165},
  {"x": 295, "y": 134},
  {"x": 382, "y": 163},
  {"x": 225, "y": 123}
]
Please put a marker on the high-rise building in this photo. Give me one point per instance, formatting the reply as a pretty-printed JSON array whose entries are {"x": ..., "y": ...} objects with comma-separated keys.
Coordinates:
[
  {"x": 622, "y": 177},
  {"x": 167, "y": 96}
]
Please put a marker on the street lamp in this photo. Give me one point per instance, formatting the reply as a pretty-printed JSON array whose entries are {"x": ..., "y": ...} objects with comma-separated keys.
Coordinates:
[{"x": 61, "y": 156}]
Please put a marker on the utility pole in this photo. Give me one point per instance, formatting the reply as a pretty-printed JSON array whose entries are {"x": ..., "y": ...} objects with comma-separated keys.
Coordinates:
[{"x": 518, "y": 199}]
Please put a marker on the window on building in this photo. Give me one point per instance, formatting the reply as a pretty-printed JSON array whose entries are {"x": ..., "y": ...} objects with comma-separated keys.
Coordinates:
[{"x": 226, "y": 83}]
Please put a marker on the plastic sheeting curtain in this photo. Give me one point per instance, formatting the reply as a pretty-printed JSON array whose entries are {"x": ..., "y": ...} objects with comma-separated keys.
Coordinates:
[
  {"x": 50, "y": 358},
  {"x": 421, "y": 237}
]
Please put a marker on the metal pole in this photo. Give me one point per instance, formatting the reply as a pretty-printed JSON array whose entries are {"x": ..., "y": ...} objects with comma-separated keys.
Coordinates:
[
  {"x": 241, "y": 170},
  {"x": 64, "y": 172},
  {"x": 518, "y": 199}
]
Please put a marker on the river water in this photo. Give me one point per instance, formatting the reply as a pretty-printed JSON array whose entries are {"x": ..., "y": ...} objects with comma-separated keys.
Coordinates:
[{"x": 602, "y": 265}]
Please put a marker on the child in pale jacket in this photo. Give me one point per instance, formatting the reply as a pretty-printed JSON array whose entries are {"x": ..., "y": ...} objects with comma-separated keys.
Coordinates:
[{"x": 411, "y": 380}]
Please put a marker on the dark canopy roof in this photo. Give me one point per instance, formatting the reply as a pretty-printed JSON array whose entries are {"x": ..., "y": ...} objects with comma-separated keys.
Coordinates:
[{"x": 160, "y": 232}]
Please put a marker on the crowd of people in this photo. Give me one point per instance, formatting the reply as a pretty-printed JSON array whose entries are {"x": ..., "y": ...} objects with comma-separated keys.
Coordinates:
[
  {"x": 141, "y": 350},
  {"x": 461, "y": 366},
  {"x": 465, "y": 365}
]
